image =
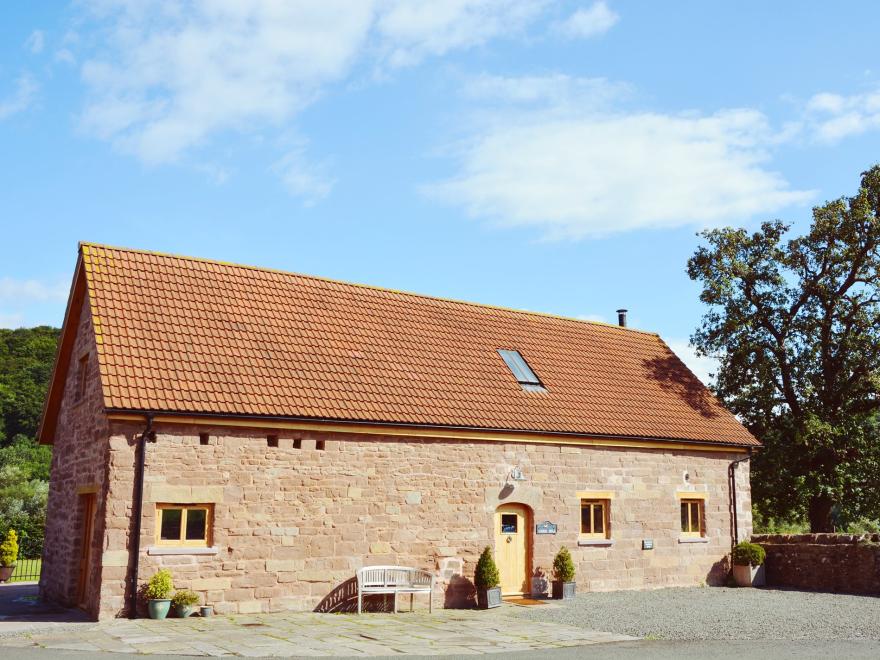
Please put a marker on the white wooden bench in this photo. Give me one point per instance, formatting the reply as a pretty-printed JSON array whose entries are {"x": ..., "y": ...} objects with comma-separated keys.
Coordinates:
[{"x": 394, "y": 580}]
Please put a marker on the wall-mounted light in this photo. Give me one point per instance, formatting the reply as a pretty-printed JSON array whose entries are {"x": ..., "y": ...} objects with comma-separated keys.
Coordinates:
[{"x": 516, "y": 474}]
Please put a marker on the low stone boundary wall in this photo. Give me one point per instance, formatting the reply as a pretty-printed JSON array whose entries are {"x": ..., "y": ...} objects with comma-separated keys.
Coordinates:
[{"x": 823, "y": 562}]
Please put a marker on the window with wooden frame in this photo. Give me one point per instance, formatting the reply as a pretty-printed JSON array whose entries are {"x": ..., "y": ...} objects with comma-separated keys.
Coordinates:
[
  {"x": 594, "y": 519},
  {"x": 692, "y": 518},
  {"x": 184, "y": 524}
]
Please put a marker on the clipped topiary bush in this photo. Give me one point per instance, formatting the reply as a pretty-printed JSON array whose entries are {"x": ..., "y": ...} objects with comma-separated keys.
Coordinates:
[
  {"x": 9, "y": 549},
  {"x": 563, "y": 566},
  {"x": 160, "y": 586},
  {"x": 748, "y": 554},
  {"x": 486, "y": 574}
]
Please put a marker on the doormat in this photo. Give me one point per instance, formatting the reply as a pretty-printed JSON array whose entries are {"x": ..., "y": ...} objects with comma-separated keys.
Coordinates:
[{"x": 524, "y": 602}]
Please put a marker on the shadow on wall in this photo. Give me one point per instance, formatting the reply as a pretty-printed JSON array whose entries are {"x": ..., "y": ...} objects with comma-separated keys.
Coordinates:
[
  {"x": 719, "y": 574},
  {"x": 674, "y": 377}
]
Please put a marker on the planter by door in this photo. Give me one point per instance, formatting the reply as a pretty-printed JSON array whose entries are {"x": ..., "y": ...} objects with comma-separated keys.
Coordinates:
[
  {"x": 749, "y": 576},
  {"x": 563, "y": 590},
  {"x": 6, "y": 572},
  {"x": 183, "y": 611},
  {"x": 158, "y": 608},
  {"x": 488, "y": 598}
]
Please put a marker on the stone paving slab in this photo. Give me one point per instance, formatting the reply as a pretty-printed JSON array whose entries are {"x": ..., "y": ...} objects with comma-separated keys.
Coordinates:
[{"x": 449, "y": 632}]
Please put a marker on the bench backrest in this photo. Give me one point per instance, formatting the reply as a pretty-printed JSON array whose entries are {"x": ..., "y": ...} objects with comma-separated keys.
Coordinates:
[{"x": 392, "y": 576}]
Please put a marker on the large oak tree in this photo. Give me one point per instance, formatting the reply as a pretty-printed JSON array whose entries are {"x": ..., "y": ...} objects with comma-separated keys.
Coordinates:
[{"x": 795, "y": 324}]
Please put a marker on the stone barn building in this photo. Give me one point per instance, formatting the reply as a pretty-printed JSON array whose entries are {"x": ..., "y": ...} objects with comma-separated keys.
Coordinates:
[{"x": 263, "y": 434}]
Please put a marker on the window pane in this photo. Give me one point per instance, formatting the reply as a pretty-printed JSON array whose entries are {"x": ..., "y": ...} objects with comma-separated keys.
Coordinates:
[
  {"x": 695, "y": 517},
  {"x": 585, "y": 518},
  {"x": 521, "y": 371},
  {"x": 170, "y": 524},
  {"x": 196, "y": 524},
  {"x": 684, "y": 517},
  {"x": 598, "y": 519},
  {"x": 508, "y": 523}
]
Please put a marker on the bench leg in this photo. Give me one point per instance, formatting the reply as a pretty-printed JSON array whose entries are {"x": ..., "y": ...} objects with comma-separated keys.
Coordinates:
[
  {"x": 431, "y": 602},
  {"x": 360, "y": 600},
  {"x": 411, "y": 601}
]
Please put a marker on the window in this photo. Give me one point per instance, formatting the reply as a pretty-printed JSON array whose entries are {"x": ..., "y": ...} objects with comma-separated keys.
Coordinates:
[
  {"x": 692, "y": 518},
  {"x": 320, "y": 445},
  {"x": 594, "y": 519},
  {"x": 509, "y": 523},
  {"x": 271, "y": 440},
  {"x": 297, "y": 443},
  {"x": 81, "y": 374},
  {"x": 521, "y": 370},
  {"x": 184, "y": 524},
  {"x": 204, "y": 439}
]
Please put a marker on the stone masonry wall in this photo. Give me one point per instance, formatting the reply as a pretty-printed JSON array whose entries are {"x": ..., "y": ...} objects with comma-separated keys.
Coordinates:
[
  {"x": 823, "y": 562},
  {"x": 292, "y": 525},
  {"x": 79, "y": 463}
]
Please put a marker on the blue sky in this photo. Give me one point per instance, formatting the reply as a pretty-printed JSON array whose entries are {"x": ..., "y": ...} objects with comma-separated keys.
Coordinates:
[{"x": 549, "y": 156}]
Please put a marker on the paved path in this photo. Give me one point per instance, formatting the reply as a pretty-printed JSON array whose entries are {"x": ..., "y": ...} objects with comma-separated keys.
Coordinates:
[
  {"x": 448, "y": 632},
  {"x": 21, "y": 611}
]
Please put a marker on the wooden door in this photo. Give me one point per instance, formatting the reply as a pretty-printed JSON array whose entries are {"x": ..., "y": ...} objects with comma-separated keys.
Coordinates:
[
  {"x": 512, "y": 548},
  {"x": 87, "y": 506}
]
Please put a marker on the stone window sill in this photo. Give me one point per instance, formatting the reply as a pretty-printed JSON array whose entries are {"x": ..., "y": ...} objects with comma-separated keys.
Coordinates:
[
  {"x": 181, "y": 550},
  {"x": 596, "y": 542},
  {"x": 693, "y": 539}
]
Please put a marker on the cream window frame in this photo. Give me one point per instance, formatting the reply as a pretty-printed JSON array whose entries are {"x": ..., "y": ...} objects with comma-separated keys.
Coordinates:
[
  {"x": 699, "y": 503},
  {"x": 183, "y": 542},
  {"x": 592, "y": 503}
]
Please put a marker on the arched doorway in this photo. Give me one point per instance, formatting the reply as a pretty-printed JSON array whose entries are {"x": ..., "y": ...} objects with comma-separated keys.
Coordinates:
[{"x": 513, "y": 548}]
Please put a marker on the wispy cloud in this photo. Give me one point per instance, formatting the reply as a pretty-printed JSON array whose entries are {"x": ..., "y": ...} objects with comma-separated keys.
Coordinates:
[
  {"x": 11, "y": 321},
  {"x": 588, "y": 22},
  {"x": 21, "y": 97},
  {"x": 36, "y": 42},
  {"x": 168, "y": 78},
  {"x": 576, "y": 170},
  {"x": 833, "y": 117},
  {"x": 304, "y": 179},
  {"x": 28, "y": 291}
]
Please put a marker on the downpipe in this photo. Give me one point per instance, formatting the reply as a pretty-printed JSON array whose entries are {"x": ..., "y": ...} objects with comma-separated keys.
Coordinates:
[
  {"x": 731, "y": 475},
  {"x": 149, "y": 435}
]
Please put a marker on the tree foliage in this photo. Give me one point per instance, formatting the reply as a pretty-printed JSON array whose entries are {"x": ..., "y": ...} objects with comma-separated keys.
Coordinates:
[
  {"x": 26, "y": 357},
  {"x": 795, "y": 324}
]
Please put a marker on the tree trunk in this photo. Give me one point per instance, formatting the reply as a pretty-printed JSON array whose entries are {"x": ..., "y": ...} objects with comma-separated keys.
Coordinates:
[{"x": 820, "y": 514}]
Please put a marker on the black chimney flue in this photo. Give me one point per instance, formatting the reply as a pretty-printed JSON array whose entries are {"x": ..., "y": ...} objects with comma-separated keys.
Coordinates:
[{"x": 621, "y": 318}]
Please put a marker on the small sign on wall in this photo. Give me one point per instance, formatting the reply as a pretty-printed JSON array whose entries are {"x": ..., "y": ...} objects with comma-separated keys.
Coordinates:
[
  {"x": 647, "y": 544},
  {"x": 545, "y": 527}
]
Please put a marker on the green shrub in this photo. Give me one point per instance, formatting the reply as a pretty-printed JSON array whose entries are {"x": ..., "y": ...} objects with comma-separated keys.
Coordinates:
[
  {"x": 185, "y": 597},
  {"x": 748, "y": 554},
  {"x": 486, "y": 574},
  {"x": 563, "y": 566},
  {"x": 160, "y": 585},
  {"x": 9, "y": 549}
]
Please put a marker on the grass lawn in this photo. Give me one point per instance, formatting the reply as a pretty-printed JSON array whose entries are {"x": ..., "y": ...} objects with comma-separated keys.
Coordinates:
[{"x": 26, "y": 570}]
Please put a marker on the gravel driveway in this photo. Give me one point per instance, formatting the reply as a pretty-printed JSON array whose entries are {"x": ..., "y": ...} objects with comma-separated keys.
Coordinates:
[{"x": 718, "y": 613}]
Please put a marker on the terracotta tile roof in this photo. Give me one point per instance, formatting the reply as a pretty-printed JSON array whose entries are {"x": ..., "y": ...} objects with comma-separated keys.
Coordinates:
[{"x": 190, "y": 335}]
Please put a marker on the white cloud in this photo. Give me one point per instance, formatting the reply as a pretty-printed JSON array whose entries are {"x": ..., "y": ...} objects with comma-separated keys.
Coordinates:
[
  {"x": 169, "y": 77},
  {"x": 25, "y": 291},
  {"x": 833, "y": 117},
  {"x": 701, "y": 366},
  {"x": 588, "y": 22},
  {"x": 21, "y": 98},
  {"x": 35, "y": 42},
  {"x": 11, "y": 321},
  {"x": 573, "y": 171},
  {"x": 413, "y": 29},
  {"x": 302, "y": 178}
]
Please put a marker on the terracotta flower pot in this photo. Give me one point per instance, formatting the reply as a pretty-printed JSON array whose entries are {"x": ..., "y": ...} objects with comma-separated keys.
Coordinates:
[
  {"x": 6, "y": 572},
  {"x": 749, "y": 576}
]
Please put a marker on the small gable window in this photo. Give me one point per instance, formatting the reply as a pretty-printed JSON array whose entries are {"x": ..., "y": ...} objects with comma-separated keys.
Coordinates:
[{"x": 520, "y": 369}]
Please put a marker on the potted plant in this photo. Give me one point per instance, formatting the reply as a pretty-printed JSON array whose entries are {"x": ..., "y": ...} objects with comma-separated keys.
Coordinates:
[
  {"x": 486, "y": 580},
  {"x": 185, "y": 602},
  {"x": 8, "y": 555},
  {"x": 158, "y": 593},
  {"x": 563, "y": 575},
  {"x": 748, "y": 564}
]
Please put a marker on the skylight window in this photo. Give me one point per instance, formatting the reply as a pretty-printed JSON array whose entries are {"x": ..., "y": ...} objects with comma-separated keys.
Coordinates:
[{"x": 521, "y": 370}]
